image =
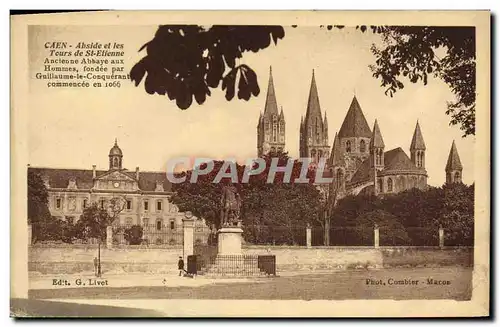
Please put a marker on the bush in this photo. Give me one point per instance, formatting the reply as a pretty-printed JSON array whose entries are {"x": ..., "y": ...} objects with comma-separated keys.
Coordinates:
[{"x": 133, "y": 235}]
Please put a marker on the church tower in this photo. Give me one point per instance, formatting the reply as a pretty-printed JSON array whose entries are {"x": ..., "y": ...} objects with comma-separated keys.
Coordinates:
[
  {"x": 271, "y": 125},
  {"x": 314, "y": 128},
  {"x": 115, "y": 157},
  {"x": 453, "y": 166},
  {"x": 377, "y": 147},
  {"x": 417, "y": 148},
  {"x": 354, "y": 138}
]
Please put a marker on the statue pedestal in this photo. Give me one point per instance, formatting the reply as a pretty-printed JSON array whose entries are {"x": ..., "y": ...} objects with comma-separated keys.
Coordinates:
[{"x": 229, "y": 241}]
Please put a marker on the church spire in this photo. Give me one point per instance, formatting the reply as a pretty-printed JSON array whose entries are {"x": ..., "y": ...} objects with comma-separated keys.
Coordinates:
[
  {"x": 453, "y": 166},
  {"x": 376, "y": 141},
  {"x": 454, "y": 162},
  {"x": 355, "y": 124},
  {"x": 417, "y": 148},
  {"x": 271, "y": 107},
  {"x": 417, "y": 142},
  {"x": 313, "y": 107},
  {"x": 336, "y": 156}
]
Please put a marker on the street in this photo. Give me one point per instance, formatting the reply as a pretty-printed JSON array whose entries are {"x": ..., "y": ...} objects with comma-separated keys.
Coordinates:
[{"x": 401, "y": 284}]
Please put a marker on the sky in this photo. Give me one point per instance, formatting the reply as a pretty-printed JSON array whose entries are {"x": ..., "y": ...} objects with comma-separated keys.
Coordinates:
[{"x": 75, "y": 128}]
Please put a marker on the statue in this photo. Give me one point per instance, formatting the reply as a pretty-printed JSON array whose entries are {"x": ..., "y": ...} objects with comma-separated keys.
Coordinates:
[{"x": 231, "y": 204}]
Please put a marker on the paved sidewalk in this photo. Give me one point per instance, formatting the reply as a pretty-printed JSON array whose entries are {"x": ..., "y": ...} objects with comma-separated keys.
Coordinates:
[{"x": 86, "y": 280}]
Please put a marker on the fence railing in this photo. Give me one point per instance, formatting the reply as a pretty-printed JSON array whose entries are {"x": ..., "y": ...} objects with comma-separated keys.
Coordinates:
[
  {"x": 156, "y": 235},
  {"x": 234, "y": 265},
  {"x": 356, "y": 236}
]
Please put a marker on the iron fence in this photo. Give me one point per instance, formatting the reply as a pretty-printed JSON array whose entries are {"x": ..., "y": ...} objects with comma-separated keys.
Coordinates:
[
  {"x": 235, "y": 265},
  {"x": 274, "y": 235},
  {"x": 156, "y": 234}
]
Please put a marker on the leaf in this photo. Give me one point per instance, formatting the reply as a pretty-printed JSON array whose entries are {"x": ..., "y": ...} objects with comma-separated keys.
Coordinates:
[
  {"x": 142, "y": 48},
  {"x": 228, "y": 84},
  {"x": 184, "y": 97},
  {"x": 138, "y": 71},
  {"x": 279, "y": 33}
]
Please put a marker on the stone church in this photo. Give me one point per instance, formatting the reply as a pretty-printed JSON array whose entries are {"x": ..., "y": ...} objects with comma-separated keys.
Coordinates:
[
  {"x": 145, "y": 196},
  {"x": 358, "y": 160}
]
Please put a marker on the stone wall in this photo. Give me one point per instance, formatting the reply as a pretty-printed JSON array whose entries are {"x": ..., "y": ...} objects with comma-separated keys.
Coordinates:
[
  {"x": 130, "y": 259},
  {"x": 79, "y": 259}
]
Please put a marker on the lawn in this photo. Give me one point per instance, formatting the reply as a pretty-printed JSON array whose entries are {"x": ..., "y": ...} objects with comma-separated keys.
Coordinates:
[{"x": 342, "y": 285}]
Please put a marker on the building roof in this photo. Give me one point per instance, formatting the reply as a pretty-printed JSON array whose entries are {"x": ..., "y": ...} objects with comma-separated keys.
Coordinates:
[
  {"x": 376, "y": 140},
  {"x": 313, "y": 108},
  {"x": 336, "y": 154},
  {"x": 355, "y": 124},
  {"x": 394, "y": 160},
  {"x": 271, "y": 107},
  {"x": 115, "y": 150},
  {"x": 454, "y": 162},
  {"x": 59, "y": 178},
  {"x": 417, "y": 142}
]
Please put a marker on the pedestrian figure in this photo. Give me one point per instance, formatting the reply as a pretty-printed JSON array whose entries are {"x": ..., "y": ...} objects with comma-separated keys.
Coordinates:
[
  {"x": 95, "y": 266},
  {"x": 180, "y": 265}
]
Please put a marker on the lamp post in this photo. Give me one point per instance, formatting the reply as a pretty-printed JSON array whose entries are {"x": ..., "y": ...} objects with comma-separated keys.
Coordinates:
[{"x": 99, "y": 258}]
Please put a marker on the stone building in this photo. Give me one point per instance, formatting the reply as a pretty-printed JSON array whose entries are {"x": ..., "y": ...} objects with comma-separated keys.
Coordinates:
[
  {"x": 360, "y": 162},
  {"x": 314, "y": 128},
  {"x": 144, "y": 196},
  {"x": 271, "y": 124}
]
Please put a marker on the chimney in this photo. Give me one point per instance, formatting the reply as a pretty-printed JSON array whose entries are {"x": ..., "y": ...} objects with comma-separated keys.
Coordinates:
[
  {"x": 137, "y": 172},
  {"x": 93, "y": 171}
]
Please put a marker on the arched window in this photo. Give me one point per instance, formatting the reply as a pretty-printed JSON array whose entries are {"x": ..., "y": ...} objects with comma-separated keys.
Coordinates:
[
  {"x": 362, "y": 146},
  {"x": 389, "y": 184},
  {"x": 320, "y": 153},
  {"x": 158, "y": 225},
  {"x": 115, "y": 162},
  {"x": 313, "y": 153},
  {"x": 379, "y": 154},
  {"x": 380, "y": 186},
  {"x": 457, "y": 177},
  {"x": 348, "y": 146},
  {"x": 317, "y": 131},
  {"x": 275, "y": 128}
]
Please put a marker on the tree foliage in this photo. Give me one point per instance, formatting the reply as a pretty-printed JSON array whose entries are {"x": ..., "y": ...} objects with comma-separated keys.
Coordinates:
[
  {"x": 274, "y": 212},
  {"x": 133, "y": 235},
  {"x": 416, "y": 212},
  {"x": 411, "y": 52},
  {"x": 37, "y": 199},
  {"x": 186, "y": 61},
  {"x": 93, "y": 223}
]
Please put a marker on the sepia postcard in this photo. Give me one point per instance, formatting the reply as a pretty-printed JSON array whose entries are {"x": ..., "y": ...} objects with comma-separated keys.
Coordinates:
[{"x": 250, "y": 164}]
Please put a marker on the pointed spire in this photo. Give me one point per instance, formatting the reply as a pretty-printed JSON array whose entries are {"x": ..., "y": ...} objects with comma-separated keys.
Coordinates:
[
  {"x": 282, "y": 115},
  {"x": 116, "y": 141},
  {"x": 454, "y": 162},
  {"x": 355, "y": 124},
  {"x": 336, "y": 156},
  {"x": 313, "y": 107},
  {"x": 271, "y": 107},
  {"x": 325, "y": 121},
  {"x": 417, "y": 142},
  {"x": 376, "y": 141}
]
